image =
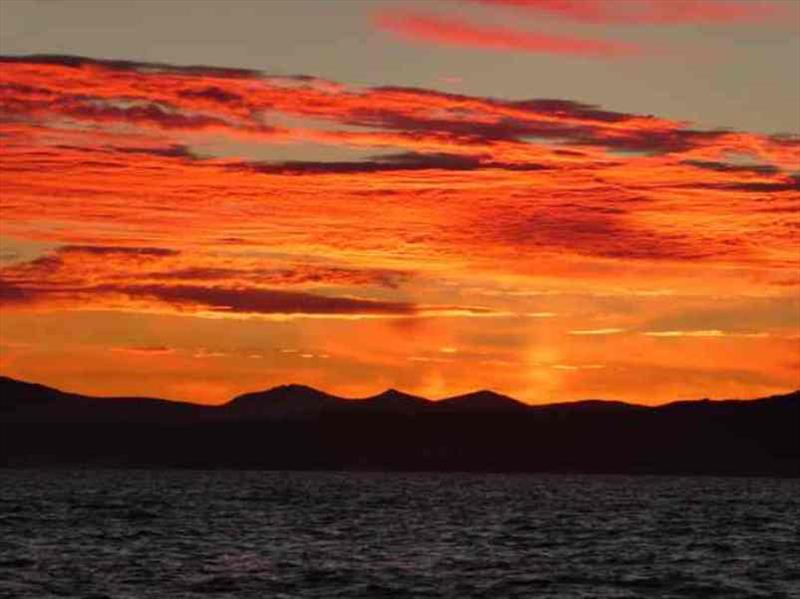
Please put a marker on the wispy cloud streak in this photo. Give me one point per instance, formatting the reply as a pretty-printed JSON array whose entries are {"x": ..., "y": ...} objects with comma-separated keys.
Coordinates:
[
  {"x": 453, "y": 31},
  {"x": 652, "y": 12}
]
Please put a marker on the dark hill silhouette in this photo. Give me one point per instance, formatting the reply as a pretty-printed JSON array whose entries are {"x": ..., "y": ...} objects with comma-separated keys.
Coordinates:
[
  {"x": 283, "y": 401},
  {"x": 298, "y": 427},
  {"x": 591, "y": 406},
  {"x": 301, "y": 401},
  {"x": 481, "y": 401},
  {"x": 18, "y": 394},
  {"x": 709, "y": 405},
  {"x": 394, "y": 401},
  {"x": 22, "y": 401}
]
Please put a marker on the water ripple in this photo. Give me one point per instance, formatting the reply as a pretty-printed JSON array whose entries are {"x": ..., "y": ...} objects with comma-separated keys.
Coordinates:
[{"x": 142, "y": 534}]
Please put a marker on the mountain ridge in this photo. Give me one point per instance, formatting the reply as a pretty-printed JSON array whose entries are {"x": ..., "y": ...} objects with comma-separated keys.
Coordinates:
[
  {"x": 12, "y": 389},
  {"x": 292, "y": 427}
]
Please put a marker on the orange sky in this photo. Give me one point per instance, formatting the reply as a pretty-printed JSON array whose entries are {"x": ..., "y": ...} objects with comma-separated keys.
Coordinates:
[{"x": 195, "y": 232}]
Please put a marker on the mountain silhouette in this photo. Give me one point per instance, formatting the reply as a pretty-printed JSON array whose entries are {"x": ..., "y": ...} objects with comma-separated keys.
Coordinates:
[
  {"x": 299, "y": 427},
  {"x": 283, "y": 401},
  {"x": 481, "y": 401},
  {"x": 591, "y": 406},
  {"x": 394, "y": 401},
  {"x": 24, "y": 401},
  {"x": 301, "y": 401}
]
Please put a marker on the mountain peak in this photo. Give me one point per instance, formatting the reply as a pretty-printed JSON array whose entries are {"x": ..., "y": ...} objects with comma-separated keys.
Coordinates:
[
  {"x": 395, "y": 395},
  {"x": 292, "y": 388},
  {"x": 283, "y": 400},
  {"x": 483, "y": 400},
  {"x": 393, "y": 400},
  {"x": 282, "y": 392}
]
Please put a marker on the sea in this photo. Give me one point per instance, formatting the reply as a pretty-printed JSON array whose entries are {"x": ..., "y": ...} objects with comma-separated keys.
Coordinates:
[{"x": 174, "y": 534}]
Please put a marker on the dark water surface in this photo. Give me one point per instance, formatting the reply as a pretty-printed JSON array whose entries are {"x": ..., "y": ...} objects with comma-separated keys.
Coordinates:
[{"x": 165, "y": 534}]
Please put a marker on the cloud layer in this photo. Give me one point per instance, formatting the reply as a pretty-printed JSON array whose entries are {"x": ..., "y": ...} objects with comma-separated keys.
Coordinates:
[{"x": 145, "y": 189}]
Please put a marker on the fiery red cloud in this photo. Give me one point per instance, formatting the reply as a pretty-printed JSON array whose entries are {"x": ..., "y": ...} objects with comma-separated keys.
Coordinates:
[
  {"x": 453, "y": 31},
  {"x": 458, "y": 207},
  {"x": 652, "y": 12}
]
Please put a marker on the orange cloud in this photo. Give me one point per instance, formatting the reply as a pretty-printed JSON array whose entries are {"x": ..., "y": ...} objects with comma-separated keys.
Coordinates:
[
  {"x": 607, "y": 331},
  {"x": 709, "y": 333},
  {"x": 150, "y": 350},
  {"x": 84, "y": 276}
]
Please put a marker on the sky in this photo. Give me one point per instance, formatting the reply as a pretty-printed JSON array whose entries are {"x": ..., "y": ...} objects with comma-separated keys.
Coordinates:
[{"x": 554, "y": 199}]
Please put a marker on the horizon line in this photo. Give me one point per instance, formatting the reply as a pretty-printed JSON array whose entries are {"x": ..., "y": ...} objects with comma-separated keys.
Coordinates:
[{"x": 395, "y": 390}]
